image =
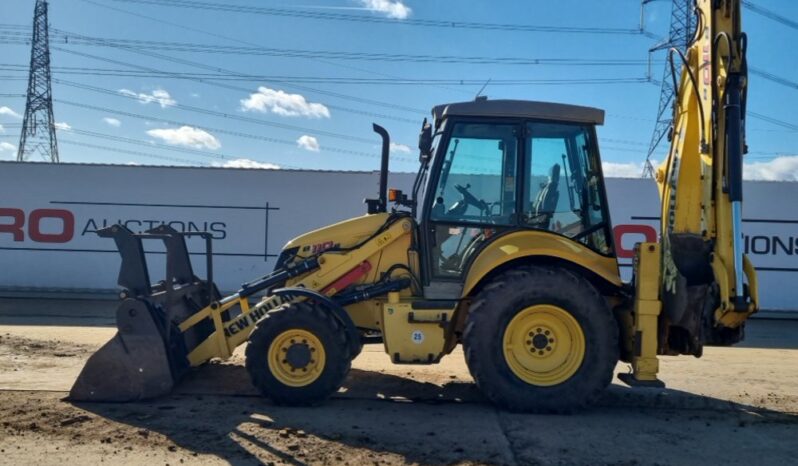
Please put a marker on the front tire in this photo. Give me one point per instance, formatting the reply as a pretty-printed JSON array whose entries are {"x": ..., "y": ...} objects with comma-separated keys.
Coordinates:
[
  {"x": 540, "y": 339},
  {"x": 298, "y": 354}
]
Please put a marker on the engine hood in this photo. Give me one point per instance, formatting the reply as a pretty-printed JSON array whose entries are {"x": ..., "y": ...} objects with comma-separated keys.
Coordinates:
[{"x": 342, "y": 234}]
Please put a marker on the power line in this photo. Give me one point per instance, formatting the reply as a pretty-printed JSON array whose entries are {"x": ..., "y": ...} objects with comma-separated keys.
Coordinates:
[
  {"x": 772, "y": 77},
  {"x": 241, "y": 89},
  {"x": 210, "y": 82},
  {"x": 625, "y": 141},
  {"x": 339, "y": 54},
  {"x": 770, "y": 14},
  {"x": 774, "y": 121},
  {"x": 212, "y": 155},
  {"x": 139, "y": 142},
  {"x": 622, "y": 149},
  {"x": 131, "y": 152},
  {"x": 782, "y": 131},
  {"x": 219, "y": 114},
  {"x": 220, "y": 131},
  {"x": 382, "y": 57},
  {"x": 239, "y": 41},
  {"x": 286, "y": 12},
  {"x": 222, "y": 70},
  {"x": 755, "y": 115},
  {"x": 86, "y": 71},
  {"x": 771, "y": 154}
]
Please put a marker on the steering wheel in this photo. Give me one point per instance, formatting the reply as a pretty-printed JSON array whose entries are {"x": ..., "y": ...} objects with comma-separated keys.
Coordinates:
[{"x": 470, "y": 198}]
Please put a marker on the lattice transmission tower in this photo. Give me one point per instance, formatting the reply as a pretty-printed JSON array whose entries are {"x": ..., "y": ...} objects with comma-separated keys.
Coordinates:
[
  {"x": 38, "y": 127},
  {"x": 681, "y": 33}
]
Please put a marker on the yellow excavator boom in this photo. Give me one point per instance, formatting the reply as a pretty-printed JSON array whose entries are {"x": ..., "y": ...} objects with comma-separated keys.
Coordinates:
[{"x": 707, "y": 287}]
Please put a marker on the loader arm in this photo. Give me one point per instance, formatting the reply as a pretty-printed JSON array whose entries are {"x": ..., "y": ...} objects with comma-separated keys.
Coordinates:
[
  {"x": 696, "y": 286},
  {"x": 324, "y": 278}
]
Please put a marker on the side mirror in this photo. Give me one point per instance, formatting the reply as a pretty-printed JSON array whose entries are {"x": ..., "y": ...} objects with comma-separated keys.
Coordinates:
[{"x": 425, "y": 142}]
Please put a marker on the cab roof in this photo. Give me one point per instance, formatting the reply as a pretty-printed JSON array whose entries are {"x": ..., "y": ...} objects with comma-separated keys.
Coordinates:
[{"x": 482, "y": 107}]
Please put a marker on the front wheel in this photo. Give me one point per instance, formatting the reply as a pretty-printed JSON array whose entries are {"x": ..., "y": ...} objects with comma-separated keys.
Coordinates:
[
  {"x": 298, "y": 354},
  {"x": 540, "y": 339}
]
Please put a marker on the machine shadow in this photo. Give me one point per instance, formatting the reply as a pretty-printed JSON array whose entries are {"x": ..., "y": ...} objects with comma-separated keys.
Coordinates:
[{"x": 379, "y": 414}]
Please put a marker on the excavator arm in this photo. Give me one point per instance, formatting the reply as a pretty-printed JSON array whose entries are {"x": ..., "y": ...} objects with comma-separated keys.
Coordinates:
[{"x": 696, "y": 287}]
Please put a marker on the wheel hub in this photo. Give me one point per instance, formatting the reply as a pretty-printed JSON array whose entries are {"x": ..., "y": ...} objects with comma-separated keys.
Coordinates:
[
  {"x": 539, "y": 342},
  {"x": 544, "y": 345},
  {"x": 296, "y": 357}
]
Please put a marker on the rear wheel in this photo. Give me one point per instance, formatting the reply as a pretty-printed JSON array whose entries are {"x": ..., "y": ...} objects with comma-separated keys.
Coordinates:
[
  {"x": 298, "y": 354},
  {"x": 540, "y": 339}
]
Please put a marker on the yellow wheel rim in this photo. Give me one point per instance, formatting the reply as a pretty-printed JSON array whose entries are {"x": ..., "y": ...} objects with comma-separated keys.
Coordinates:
[
  {"x": 296, "y": 358},
  {"x": 544, "y": 345}
]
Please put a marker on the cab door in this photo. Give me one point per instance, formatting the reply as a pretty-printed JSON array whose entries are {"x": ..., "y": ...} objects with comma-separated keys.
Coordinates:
[
  {"x": 472, "y": 197},
  {"x": 564, "y": 188}
]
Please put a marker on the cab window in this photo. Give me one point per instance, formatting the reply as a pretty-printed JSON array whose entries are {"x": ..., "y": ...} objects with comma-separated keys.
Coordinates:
[
  {"x": 563, "y": 191},
  {"x": 475, "y": 196},
  {"x": 477, "y": 180}
]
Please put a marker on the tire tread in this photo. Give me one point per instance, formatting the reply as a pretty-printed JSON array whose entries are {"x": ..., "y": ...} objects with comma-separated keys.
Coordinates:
[{"x": 529, "y": 283}]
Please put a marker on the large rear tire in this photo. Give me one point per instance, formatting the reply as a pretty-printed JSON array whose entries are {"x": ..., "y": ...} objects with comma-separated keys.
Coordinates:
[
  {"x": 540, "y": 339},
  {"x": 298, "y": 354}
]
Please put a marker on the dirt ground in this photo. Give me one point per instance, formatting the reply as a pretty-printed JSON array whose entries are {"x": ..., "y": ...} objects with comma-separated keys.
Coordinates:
[{"x": 733, "y": 406}]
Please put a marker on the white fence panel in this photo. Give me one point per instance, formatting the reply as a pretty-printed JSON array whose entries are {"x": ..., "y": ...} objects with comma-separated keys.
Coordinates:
[{"x": 48, "y": 213}]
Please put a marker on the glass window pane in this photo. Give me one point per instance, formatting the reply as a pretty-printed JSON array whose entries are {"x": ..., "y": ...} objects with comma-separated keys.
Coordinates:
[
  {"x": 477, "y": 181},
  {"x": 454, "y": 247},
  {"x": 475, "y": 196},
  {"x": 564, "y": 186}
]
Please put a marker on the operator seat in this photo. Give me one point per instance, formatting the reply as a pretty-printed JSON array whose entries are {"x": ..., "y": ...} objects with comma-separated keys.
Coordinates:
[{"x": 546, "y": 202}]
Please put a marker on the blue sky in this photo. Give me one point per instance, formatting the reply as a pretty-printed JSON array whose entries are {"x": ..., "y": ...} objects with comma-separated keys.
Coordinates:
[{"x": 274, "y": 119}]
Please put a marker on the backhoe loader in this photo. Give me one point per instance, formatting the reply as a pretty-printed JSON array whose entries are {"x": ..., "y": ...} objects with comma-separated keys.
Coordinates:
[{"x": 504, "y": 245}]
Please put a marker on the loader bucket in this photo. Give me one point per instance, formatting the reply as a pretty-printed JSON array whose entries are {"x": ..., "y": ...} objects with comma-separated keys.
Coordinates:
[
  {"x": 148, "y": 354},
  {"x": 136, "y": 364}
]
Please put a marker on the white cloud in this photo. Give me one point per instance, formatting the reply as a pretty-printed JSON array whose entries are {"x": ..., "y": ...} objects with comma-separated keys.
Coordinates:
[
  {"x": 396, "y": 147},
  {"x": 186, "y": 136},
  {"x": 63, "y": 126},
  {"x": 248, "y": 163},
  {"x": 782, "y": 168},
  {"x": 308, "y": 143},
  {"x": 622, "y": 170},
  {"x": 112, "y": 122},
  {"x": 2, "y": 130},
  {"x": 160, "y": 96},
  {"x": 390, "y": 8},
  {"x": 5, "y": 146},
  {"x": 7, "y": 111},
  {"x": 284, "y": 104}
]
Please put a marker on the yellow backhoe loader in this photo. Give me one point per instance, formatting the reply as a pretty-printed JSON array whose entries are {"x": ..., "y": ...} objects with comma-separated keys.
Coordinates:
[{"x": 504, "y": 245}]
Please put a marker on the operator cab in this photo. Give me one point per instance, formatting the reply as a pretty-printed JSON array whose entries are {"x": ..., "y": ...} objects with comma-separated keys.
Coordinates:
[{"x": 499, "y": 166}]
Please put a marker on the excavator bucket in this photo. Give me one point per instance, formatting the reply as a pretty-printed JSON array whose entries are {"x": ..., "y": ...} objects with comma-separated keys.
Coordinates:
[{"x": 147, "y": 356}]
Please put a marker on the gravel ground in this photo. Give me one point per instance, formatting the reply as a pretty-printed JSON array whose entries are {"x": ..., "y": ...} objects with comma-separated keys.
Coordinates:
[{"x": 735, "y": 406}]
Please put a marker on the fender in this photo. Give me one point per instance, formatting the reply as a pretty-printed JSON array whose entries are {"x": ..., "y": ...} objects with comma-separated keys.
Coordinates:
[
  {"x": 337, "y": 311},
  {"x": 532, "y": 243}
]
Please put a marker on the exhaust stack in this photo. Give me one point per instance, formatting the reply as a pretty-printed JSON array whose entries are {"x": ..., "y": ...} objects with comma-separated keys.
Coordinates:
[{"x": 381, "y": 203}]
